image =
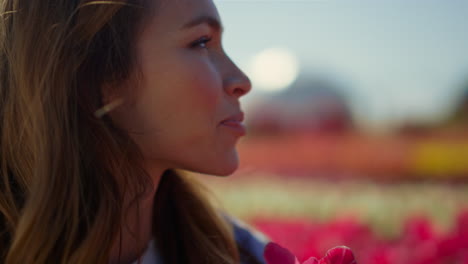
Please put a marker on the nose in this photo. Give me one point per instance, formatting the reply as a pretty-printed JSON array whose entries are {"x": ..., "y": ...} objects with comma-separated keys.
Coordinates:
[{"x": 236, "y": 83}]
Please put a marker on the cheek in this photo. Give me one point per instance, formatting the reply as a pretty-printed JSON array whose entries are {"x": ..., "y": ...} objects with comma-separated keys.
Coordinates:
[
  {"x": 196, "y": 90},
  {"x": 198, "y": 83},
  {"x": 198, "y": 95},
  {"x": 188, "y": 76},
  {"x": 179, "y": 105}
]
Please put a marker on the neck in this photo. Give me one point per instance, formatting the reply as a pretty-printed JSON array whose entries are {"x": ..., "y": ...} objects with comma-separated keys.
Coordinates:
[{"x": 136, "y": 229}]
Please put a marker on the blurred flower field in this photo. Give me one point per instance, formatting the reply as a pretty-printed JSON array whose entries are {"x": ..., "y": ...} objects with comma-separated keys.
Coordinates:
[
  {"x": 354, "y": 155},
  {"x": 396, "y": 223}
]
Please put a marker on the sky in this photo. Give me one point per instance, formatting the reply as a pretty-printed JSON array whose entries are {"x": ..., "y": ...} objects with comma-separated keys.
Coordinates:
[{"x": 400, "y": 59}]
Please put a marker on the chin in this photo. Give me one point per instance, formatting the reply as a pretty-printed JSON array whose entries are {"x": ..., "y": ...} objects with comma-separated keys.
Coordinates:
[
  {"x": 227, "y": 166},
  {"x": 225, "y": 171},
  {"x": 220, "y": 167}
]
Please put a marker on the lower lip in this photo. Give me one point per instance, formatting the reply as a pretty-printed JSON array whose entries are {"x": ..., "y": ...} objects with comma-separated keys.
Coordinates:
[{"x": 236, "y": 127}]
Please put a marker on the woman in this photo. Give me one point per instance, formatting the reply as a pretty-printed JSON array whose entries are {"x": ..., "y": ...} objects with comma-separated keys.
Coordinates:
[{"x": 102, "y": 102}]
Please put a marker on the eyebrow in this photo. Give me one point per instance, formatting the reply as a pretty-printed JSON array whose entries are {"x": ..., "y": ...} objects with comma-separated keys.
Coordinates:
[{"x": 204, "y": 19}]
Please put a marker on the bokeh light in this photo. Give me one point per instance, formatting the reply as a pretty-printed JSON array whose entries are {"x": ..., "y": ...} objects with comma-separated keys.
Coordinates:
[{"x": 273, "y": 69}]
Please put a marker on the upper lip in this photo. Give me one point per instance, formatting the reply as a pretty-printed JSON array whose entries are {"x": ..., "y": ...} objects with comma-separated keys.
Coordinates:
[{"x": 238, "y": 117}]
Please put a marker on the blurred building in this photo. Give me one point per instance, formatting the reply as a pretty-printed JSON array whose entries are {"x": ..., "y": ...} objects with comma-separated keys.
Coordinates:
[{"x": 309, "y": 105}]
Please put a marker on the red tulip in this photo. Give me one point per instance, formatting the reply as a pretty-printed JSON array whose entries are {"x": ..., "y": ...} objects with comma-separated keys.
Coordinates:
[{"x": 275, "y": 254}]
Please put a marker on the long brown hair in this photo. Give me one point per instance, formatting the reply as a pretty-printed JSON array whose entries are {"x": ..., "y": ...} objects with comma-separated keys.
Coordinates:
[{"x": 63, "y": 172}]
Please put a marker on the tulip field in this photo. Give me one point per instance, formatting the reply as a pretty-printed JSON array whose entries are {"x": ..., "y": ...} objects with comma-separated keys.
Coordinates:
[
  {"x": 393, "y": 199},
  {"x": 413, "y": 222}
]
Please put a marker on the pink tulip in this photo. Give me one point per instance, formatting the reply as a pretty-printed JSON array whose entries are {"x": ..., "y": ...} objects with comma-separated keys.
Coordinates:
[{"x": 275, "y": 254}]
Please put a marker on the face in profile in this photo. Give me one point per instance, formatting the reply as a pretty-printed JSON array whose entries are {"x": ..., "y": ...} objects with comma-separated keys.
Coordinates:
[{"x": 187, "y": 87}]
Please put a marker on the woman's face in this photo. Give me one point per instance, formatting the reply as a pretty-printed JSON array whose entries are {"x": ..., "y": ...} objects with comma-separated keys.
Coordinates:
[{"x": 188, "y": 86}]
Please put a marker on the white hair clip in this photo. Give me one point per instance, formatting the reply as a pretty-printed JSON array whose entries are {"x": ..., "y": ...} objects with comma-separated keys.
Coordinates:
[{"x": 108, "y": 107}]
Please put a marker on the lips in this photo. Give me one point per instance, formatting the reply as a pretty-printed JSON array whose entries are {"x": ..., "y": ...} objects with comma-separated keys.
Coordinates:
[
  {"x": 234, "y": 123},
  {"x": 236, "y": 118}
]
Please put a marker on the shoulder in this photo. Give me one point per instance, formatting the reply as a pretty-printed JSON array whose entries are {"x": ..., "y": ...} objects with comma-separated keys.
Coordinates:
[{"x": 250, "y": 241}]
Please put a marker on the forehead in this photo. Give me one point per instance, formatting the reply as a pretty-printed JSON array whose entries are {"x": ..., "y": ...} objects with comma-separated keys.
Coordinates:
[{"x": 174, "y": 14}]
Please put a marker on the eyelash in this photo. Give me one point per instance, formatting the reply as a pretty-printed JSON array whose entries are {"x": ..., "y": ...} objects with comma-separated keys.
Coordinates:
[{"x": 202, "y": 40}]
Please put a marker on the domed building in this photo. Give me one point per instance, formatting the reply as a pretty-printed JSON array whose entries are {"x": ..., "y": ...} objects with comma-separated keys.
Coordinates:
[{"x": 309, "y": 105}]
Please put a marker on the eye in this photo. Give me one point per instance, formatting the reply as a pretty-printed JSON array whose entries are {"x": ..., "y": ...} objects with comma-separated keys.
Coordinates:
[{"x": 201, "y": 43}]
